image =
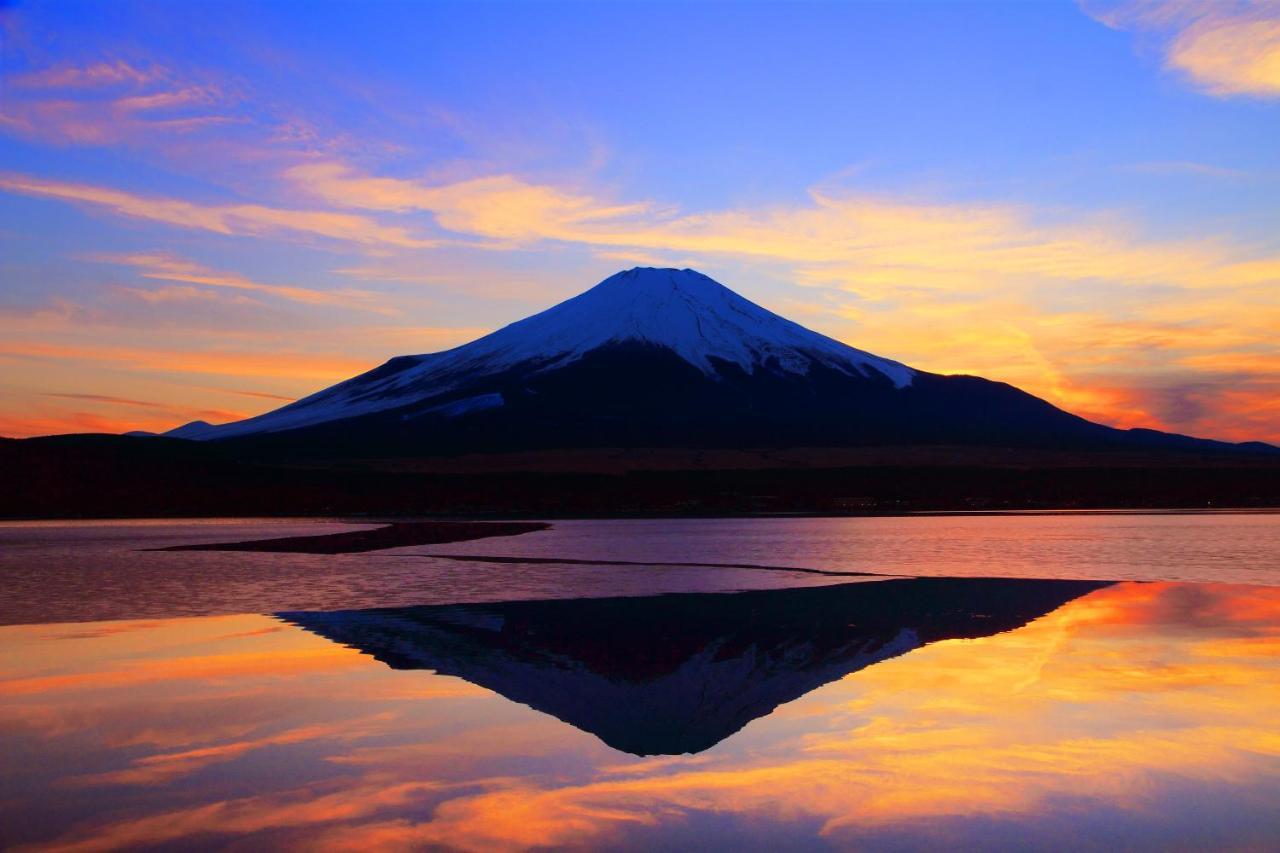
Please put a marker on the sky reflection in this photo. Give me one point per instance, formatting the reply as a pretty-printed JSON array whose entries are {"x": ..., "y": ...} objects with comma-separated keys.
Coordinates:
[{"x": 1138, "y": 715}]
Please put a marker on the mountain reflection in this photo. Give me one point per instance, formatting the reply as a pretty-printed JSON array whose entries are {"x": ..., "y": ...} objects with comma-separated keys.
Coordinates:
[{"x": 673, "y": 674}]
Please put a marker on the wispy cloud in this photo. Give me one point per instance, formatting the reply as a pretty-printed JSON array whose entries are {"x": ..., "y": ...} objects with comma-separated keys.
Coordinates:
[
  {"x": 105, "y": 398},
  {"x": 183, "y": 293},
  {"x": 167, "y": 267},
  {"x": 1224, "y": 48},
  {"x": 107, "y": 419},
  {"x": 881, "y": 241},
  {"x": 498, "y": 207},
  {"x": 92, "y": 75},
  {"x": 113, "y": 101},
  {"x": 262, "y": 395},
  {"x": 227, "y": 219},
  {"x": 223, "y": 363}
]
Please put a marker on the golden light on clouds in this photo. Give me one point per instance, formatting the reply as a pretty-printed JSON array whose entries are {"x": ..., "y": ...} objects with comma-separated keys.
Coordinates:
[
  {"x": 230, "y": 219},
  {"x": 1077, "y": 310},
  {"x": 1232, "y": 57},
  {"x": 1223, "y": 48},
  {"x": 167, "y": 267}
]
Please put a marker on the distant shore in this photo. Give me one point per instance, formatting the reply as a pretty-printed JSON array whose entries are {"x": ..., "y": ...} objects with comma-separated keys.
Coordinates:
[{"x": 118, "y": 477}]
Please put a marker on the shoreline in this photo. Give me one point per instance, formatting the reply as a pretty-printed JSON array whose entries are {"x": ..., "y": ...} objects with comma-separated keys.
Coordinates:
[{"x": 465, "y": 517}]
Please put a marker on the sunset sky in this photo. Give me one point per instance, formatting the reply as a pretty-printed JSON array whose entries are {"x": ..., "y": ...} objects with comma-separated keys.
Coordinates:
[{"x": 209, "y": 209}]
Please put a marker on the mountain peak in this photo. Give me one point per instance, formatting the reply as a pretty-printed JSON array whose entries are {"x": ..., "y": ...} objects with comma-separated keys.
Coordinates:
[
  {"x": 660, "y": 283},
  {"x": 194, "y": 429},
  {"x": 692, "y": 314},
  {"x": 661, "y": 277},
  {"x": 681, "y": 311}
]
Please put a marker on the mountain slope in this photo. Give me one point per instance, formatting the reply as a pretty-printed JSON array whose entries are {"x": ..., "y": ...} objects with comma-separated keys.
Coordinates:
[
  {"x": 660, "y": 358},
  {"x": 683, "y": 312}
]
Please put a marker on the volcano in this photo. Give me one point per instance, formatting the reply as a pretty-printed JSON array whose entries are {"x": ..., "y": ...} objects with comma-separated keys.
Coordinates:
[{"x": 665, "y": 358}]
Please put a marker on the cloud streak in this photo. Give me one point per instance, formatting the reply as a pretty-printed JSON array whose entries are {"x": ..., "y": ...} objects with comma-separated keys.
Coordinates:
[
  {"x": 219, "y": 363},
  {"x": 252, "y": 220},
  {"x": 113, "y": 101},
  {"x": 167, "y": 267},
  {"x": 1223, "y": 48},
  {"x": 875, "y": 238}
]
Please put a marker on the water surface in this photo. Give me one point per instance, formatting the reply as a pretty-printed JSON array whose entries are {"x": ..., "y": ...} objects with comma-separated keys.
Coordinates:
[
  {"x": 1087, "y": 697},
  {"x": 76, "y": 571}
]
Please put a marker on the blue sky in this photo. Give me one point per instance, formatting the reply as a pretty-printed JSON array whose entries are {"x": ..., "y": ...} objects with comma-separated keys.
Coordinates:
[{"x": 208, "y": 208}]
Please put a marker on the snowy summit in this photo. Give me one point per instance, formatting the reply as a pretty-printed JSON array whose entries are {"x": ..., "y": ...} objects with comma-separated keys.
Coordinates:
[{"x": 683, "y": 311}]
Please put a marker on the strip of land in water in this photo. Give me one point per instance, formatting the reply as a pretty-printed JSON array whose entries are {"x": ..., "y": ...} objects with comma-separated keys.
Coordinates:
[
  {"x": 395, "y": 535},
  {"x": 568, "y": 561}
]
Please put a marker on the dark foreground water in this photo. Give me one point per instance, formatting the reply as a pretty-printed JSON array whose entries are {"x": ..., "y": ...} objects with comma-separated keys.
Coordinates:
[{"x": 1018, "y": 697}]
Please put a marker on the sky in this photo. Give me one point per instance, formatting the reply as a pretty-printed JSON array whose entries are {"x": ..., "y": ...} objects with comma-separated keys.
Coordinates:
[{"x": 210, "y": 209}]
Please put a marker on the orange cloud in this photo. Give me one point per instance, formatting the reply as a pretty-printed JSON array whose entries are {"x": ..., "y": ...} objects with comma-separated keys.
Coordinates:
[
  {"x": 151, "y": 382},
  {"x": 112, "y": 415},
  {"x": 1223, "y": 48},
  {"x": 281, "y": 364},
  {"x": 251, "y": 814},
  {"x": 163, "y": 768},
  {"x": 876, "y": 244},
  {"x": 259, "y": 394},
  {"x": 27, "y": 426},
  {"x": 167, "y": 267},
  {"x": 105, "y": 398},
  {"x": 831, "y": 229},
  {"x": 139, "y": 672},
  {"x": 499, "y": 207}
]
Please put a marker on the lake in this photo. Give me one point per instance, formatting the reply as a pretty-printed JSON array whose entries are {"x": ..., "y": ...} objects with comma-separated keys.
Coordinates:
[{"x": 1091, "y": 681}]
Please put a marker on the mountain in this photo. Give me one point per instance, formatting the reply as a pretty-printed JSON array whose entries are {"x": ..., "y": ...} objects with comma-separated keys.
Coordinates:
[
  {"x": 674, "y": 319},
  {"x": 662, "y": 358},
  {"x": 672, "y": 674},
  {"x": 194, "y": 430}
]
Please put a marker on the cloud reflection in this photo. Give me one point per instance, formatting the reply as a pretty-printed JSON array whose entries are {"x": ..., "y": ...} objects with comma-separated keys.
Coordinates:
[{"x": 1103, "y": 716}]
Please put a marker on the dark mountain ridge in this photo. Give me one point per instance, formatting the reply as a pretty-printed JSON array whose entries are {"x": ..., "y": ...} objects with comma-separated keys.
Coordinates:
[{"x": 664, "y": 358}]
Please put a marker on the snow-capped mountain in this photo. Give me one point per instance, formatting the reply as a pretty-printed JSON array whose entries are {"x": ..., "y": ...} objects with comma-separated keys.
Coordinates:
[
  {"x": 654, "y": 358},
  {"x": 701, "y": 321}
]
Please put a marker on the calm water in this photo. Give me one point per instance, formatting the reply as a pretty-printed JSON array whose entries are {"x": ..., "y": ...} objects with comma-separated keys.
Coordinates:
[
  {"x": 1119, "y": 688},
  {"x": 58, "y": 571}
]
